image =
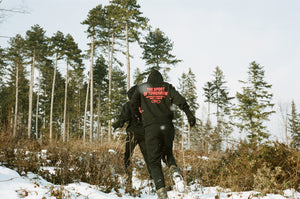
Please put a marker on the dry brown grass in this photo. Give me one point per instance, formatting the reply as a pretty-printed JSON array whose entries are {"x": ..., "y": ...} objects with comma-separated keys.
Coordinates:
[
  {"x": 269, "y": 168},
  {"x": 72, "y": 161}
]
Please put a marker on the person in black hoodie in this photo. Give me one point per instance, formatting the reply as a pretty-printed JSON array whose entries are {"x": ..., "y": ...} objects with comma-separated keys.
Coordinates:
[
  {"x": 135, "y": 134},
  {"x": 156, "y": 99}
]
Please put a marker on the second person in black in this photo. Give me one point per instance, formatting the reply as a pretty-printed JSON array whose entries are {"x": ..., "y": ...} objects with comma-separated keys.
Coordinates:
[{"x": 135, "y": 134}]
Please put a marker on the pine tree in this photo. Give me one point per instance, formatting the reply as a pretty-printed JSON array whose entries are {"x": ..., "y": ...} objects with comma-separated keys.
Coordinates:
[
  {"x": 220, "y": 95},
  {"x": 36, "y": 48},
  {"x": 254, "y": 104},
  {"x": 101, "y": 73},
  {"x": 130, "y": 21},
  {"x": 104, "y": 26},
  {"x": 57, "y": 47},
  {"x": 16, "y": 59},
  {"x": 118, "y": 92},
  {"x": 208, "y": 94},
  {"x": 222, "y": 100},
  {"x": 111, "y": 107},
  {"x": 114, "y": 30},
  {"x": 97, "y": 22},
  {"x": 73, "y": 58},
  {"x": 294, "y": 125},
  {"x": 157, "y": 51},
  {"x": 76, "y": 85},
  {"x": 188, "y": 90}
]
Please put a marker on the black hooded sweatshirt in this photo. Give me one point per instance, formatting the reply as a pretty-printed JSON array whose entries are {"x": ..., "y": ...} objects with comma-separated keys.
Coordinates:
[
  {"x": 135, "y": 126},
  {"x": 156, "y": 99}
]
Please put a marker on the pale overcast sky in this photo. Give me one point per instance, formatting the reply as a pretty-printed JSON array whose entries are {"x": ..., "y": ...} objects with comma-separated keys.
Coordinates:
[{"x": 225, "y": 33}]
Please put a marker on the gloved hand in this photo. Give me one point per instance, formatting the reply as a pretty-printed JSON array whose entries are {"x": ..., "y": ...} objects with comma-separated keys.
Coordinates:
[
  {"x": 191, "y": 120},
  {"x": 117, "y": 124},
  {"x": 138, "y": 117},
  {"x": 190, "y": 116}
]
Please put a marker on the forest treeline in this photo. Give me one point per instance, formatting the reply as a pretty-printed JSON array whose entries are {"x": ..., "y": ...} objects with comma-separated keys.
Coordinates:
[{"x": 50, "y": 89}]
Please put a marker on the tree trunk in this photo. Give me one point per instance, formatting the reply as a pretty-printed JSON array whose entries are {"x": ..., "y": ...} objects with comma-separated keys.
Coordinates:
[
  {"x": 92, "y": 92},
  {"x": 182, "y": 134},
  {"x": 208, "y": 106},
  {"x": 78, "y": 110},
  {"x": 98, "y": 118},
  {"x": 30, "y": 96},
  {"x": 109, "y": 88},
  {"x": 52, "y": 100},
  {"x": 65, "y": 104},
  {"x": 189, "y": 137},
  {"x": 127, "y": 57},
  {"x": 16, "y": 102},
  {"x": 37, "y": 106},
  {"x": 68, "y": 131},
  {"x": 85, "y": 109}
]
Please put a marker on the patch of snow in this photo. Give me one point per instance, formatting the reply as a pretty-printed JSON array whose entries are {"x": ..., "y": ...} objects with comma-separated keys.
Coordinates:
[
  {"x": 32, "y": 186},
  {"x": 112, "y": 151},
  {"x": 203, "y": 157}
]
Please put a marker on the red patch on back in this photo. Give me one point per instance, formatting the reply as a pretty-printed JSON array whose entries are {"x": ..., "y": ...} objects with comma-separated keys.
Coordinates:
[{"x": 155, "y": 94}]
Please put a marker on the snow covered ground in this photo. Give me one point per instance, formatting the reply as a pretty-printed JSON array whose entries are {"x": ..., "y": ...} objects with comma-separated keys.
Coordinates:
[{"x": 32, "y": 186}]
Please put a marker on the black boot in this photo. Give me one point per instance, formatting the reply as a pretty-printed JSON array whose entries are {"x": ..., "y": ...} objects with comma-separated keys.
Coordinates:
[{"x": 162, "y": 193}]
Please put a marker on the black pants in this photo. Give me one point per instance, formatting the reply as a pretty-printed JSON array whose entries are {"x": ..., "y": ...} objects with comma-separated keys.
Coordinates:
[
  {"x": 158, "y": 137},
  {"x": 131, "y": 142}
]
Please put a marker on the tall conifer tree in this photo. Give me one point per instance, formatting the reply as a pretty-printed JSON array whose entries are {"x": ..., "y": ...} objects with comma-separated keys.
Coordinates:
[
  {"x": 100, "y": 71},
  {"x": 254, "y": 104},
  {"x": 188, "y": 90},
  {"x": 208, "y": 94},
  {"x": 73, "y": 57},
  {"x": 131, "y": 21},
  {"x": 36, "y": 47},
  {"x": 222, "y": 100},
  {"x": 16, "y": 59},
  {"x": 97, "y": 21},
  {"x": 57, "y": 47},
  {"x": 157, "y": 51}
]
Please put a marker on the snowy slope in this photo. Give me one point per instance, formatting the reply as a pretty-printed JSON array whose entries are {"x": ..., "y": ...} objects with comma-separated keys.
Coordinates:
[{"x": 14, "y": 186}]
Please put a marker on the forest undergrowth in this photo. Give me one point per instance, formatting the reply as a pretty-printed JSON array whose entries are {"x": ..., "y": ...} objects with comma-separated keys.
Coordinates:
[{"x": 269, "y": 168}]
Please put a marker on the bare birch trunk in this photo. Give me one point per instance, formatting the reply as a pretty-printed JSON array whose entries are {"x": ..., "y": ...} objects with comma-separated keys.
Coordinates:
[
  {"x": 16, "y": 102},
  {"x": 92, "y": 92},
  {"x": 30, "y": 96},
  {"x": 52, "y": 100}
]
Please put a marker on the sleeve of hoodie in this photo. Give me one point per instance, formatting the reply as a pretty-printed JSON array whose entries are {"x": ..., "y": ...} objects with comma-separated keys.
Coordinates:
[
  {"x": 135, "y": 103},
  {"x": 178, "y": 99},
  {"x": 124, "y": 116}
]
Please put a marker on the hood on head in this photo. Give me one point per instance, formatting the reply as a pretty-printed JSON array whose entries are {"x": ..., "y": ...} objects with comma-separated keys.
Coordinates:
[
  {"x": 131, "y": 91},
  {"x": 155, "y": 77}
]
